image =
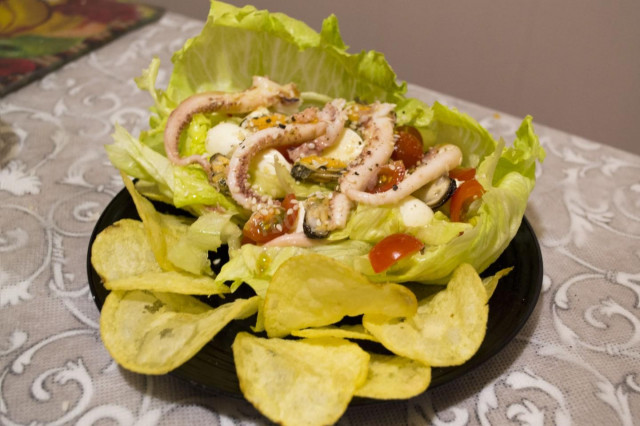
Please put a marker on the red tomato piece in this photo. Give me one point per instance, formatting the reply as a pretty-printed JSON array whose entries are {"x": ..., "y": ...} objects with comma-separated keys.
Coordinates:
[
  {"x": 465, "y": 194},
  {"x": 284, "y": 150},
  {"x": 389, "y": 175},
  {"x": 391, "y": 249},
  {"x": 408, "y": 147},
  {"x": 462, "y": 173},
  {"x": 264, "y": 226}
]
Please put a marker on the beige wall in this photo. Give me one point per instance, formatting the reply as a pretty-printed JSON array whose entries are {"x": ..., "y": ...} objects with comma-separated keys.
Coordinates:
[{"x": 572, "y": 64}]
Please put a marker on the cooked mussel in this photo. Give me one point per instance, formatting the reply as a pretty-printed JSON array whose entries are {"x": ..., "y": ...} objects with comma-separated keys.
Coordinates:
[
  {"x": 325, "y": 212},
  {"x": 219, "y": 164},
  {"x": 318, "y": 169},
  {"x": 317, "y": 217},
  {"x": 436, "y": 192}
]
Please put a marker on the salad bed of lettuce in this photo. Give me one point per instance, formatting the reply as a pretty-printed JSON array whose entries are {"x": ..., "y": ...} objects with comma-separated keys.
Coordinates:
[{"x": 238, "y": 43}]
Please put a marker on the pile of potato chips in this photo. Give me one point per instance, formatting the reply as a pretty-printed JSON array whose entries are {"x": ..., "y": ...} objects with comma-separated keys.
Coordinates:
[{"x": 310, "y": 365}]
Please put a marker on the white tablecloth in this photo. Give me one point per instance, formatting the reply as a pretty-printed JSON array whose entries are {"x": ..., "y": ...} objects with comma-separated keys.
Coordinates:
[{"x": 577, "y": 360}]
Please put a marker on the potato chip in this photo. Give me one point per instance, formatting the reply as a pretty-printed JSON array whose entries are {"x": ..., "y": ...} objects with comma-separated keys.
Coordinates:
[
  {"x": 154, "y": 333},
  {"x": 355, "y": 331},
  {"x": 448, "y": 327},
  {"x": 170, "y": 281},
  {"x": 299, "y": 382},
  {"x": 314, "y": 290},
  {"x": 490, "y": 283},
  {"x": 122, "y": 250},
  {"x": 394, "y": 377}
]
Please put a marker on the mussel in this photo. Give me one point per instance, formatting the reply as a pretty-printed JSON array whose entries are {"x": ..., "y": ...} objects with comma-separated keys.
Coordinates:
[
  {"x": 219, "y": 164},
  {"x": 318, "y": 169},
  {"x": 325, "y": 212},
  {"x": 437, "y": 192}
]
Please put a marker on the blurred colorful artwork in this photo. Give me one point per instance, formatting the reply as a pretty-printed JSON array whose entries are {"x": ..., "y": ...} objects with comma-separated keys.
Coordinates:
[{"x": 38, "y": 36}]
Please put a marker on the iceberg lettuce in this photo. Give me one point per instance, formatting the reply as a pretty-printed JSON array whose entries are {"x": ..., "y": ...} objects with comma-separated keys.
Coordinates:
[{"x": 238, "y": 43}]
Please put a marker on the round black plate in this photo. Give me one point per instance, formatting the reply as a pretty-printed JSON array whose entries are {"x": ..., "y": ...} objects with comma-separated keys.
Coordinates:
[{"x": 509, "y": 308}]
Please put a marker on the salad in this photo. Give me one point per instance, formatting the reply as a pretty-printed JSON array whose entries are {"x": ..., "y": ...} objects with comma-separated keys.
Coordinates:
[
  {"x": 298, "y": 146},
  {"x": 333, "y": 194}
]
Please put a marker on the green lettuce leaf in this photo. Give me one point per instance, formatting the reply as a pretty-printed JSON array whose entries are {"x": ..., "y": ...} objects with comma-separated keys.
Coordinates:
[
  {"x": 235, "y": 45},
  {"x": 370, "y": 224},
  {"x": 256, "y": 265},
  {"x": 239, "y": 43},
  {"x": 191, "y": 187},
  {"x": 127, "y": 154}
]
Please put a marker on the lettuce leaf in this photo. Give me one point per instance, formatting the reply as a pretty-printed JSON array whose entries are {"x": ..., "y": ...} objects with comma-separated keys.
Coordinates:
[
  {"x": 191, "y": 187},
  {"x": 135, "y": 159},
  {"x": 370, "y": 224},
  {"x": 236, "y": 44},
  {"x": 239, "y": 43},
  {"x": 256, "y": 265}
]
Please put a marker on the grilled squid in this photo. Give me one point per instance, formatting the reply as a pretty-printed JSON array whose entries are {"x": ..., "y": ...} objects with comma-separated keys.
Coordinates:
[
  {"x": 333, "y": 113},
  {"x": 296, "y": 239},
  {"x": 377, "y": 127},
  {"x": 273, "y": 137},
  {"x": 437, "y": 162},
  {"x": 263, "y": 93}
]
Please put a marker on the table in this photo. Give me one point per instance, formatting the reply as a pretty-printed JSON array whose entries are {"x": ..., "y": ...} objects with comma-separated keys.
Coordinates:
[{"x": 577, "y": 360}]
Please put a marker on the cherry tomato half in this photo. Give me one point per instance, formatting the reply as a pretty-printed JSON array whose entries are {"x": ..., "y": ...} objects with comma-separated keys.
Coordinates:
[
  {"x": 266, "y": 224},
  {"x": 465, "y": 194},
  {"x": 284, "y": 150},
  {"x": 389, "y": 175},
  {"x": 408, "y": 147},
  {"x": 462, "y": 173},
  {"x": 263, "y": 227},
  {"x": 391, "y": 249}
]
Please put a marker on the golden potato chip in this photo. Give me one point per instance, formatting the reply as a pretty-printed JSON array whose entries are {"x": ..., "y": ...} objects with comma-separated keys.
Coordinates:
[
  {"x": 314, "y": 290},
  {"x": 154, "y": 333},
  {"x": 355, "y": 331},
  {"x": 170, "y": 281},
  {"x": 448, "y": 327},
  {"x": 490, "y": 283},
  {"x": 299, "y": 382},
  {"x": 394, "y": 377},
  {"x": 122, "y": 250}
]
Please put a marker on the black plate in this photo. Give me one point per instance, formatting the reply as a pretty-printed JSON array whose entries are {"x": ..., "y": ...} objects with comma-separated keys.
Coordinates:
[{"x": 509, "y": 308}]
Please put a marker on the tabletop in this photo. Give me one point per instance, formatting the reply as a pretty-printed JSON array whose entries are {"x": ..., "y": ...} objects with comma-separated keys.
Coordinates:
[{"x": 576, "y": 361}]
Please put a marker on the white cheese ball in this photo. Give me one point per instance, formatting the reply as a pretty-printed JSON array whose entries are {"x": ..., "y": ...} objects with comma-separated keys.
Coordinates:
[
  {"x": 224, "y": 138},
  {"x": 414, "y": 212},
  {"x": 264, "y": 162}
]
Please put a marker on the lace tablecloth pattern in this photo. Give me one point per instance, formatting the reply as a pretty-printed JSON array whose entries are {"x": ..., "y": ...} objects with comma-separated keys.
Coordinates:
[{"x": 577, "y": 360}]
